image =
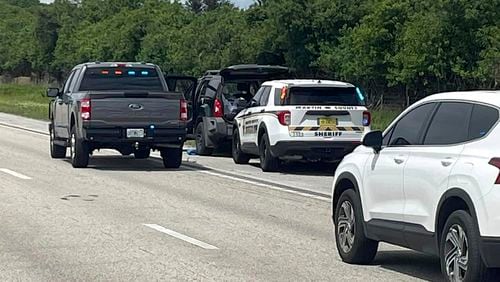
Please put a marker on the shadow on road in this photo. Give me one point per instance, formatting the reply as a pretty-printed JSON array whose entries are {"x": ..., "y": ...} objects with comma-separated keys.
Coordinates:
[
  {"x": 120, "y": 163},
  {"x": 411, "y": 263}
]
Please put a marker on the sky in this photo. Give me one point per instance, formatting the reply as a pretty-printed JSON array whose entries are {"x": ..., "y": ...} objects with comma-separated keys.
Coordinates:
[{"x": 239, "y": 3}]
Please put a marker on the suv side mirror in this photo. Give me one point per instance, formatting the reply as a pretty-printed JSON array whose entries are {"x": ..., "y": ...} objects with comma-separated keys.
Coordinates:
[
  {"x": 53, "y": 92},
  {"x": 253, "y": 103},
  {"x": 373, "y": 140}
]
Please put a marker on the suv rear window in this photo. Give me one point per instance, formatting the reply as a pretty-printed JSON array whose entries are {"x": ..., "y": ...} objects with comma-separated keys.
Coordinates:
[
  {"x": 121, "y": 79},
  {"x": 328, "y": 96}
]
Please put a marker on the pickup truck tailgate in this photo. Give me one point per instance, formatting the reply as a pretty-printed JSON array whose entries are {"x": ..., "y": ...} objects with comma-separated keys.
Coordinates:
[{"x": 120, "y": 109}]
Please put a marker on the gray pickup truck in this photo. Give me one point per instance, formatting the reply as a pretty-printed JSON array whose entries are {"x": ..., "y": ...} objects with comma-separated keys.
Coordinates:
[{"x": 121, "y": 106}]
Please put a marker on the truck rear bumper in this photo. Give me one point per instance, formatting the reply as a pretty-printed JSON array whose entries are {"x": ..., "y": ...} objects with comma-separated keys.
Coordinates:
[
  {"x": 118, "y": 135},
  {"x": 314, "y": 149}
]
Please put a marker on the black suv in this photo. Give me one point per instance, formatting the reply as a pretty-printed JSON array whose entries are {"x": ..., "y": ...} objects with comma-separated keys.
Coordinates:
[{"x": 217, "y": 97}]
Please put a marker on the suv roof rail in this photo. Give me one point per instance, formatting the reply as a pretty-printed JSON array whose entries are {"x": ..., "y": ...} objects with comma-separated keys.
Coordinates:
[{"x": 212, "y": 72}]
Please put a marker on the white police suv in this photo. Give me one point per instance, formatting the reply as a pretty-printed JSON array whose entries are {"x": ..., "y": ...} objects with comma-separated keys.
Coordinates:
[
  {"x": 431, "y": 183},
  {"x": 300, "y": 119}
]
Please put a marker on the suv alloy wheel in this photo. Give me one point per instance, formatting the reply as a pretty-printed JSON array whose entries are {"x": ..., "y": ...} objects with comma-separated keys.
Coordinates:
[
  {"x": 352, "y": 245},
  {"x": 268, "y": 162}
]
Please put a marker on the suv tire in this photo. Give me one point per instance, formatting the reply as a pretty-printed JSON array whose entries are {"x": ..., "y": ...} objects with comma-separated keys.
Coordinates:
[
  {"x": 79, "y": 150},
  {"x": 238, "y": 156},
  {"x": 268, "y": 162},
  {"x": 142, "y": 153},
  {"x": 352, "y": 245},
  {"x": 460, "y": 239},
  {"x": 56, "y": 151},
  {"x": 172, "y": 157},
  {"x": 201, "y": 148}
]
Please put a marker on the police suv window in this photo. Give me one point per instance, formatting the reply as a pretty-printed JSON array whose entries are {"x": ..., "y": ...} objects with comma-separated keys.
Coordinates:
[
  {"x": 409, "y": 128},
  {"x": 482, "y": 120},
  {"x": 265, "y": 96},
  {"x": 450, "y": 124},
  {"x": 258, "y": 95}
]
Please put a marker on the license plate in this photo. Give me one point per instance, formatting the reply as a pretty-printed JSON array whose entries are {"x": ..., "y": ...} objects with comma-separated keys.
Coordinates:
[
  {"x": 327, "y": 121},
  {"x": 135, "y": 133}
]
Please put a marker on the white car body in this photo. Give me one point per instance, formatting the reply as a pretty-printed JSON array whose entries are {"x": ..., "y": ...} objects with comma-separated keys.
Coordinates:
[
  {"x": 303, "y": 134},
  {"x": 405, "y": 190}
]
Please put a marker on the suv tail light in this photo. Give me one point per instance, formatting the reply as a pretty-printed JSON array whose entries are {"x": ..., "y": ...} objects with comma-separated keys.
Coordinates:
[
  {"x": 367, "y": 118},
  {"x": 218, "y": 108},
  {"x": 184, "y": 111},
  {"x": 496, "y": 163},
  {"x": 85, "y": 108},
  {"x": 284, "y": 117}
]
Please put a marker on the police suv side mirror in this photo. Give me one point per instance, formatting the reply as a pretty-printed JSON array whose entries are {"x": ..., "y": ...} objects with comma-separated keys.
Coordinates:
[
  {"x": 53, "y": 92},
  {"x": 373, "y": 140}
]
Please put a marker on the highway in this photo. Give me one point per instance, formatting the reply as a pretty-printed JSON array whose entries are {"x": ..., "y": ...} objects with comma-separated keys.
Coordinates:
[{"x": 132, "y": 220}]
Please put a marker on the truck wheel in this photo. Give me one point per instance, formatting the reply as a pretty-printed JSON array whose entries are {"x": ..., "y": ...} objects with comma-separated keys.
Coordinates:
[
  {"x": 352, "y": 245},
  {"x": 142, "y": 153},
  {"x": 268, "y": 163},
  {"x": 238, "y": 156},
  {"x": 56, "y": 151},
  {"x": 79, "y": 151},
  {"x": 201, "y": 149},
  {"x": 172, "y": 157}
]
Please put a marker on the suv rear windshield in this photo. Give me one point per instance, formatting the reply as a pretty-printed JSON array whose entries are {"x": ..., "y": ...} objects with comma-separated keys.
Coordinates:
[
  {"x": 121, "y": 79},
  {"x": 332, "y": 96}
]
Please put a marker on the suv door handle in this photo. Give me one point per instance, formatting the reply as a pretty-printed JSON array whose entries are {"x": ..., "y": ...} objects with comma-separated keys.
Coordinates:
[
  {"x": 399, "y": 161},
  {"x": 447, "y": 162}
]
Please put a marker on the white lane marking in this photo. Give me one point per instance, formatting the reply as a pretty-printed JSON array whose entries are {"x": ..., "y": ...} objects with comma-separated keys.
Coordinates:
[
  {"x": 181, "y": 236},
  {"x": 15, "y": 174},
  {"x": 264, "y": 185}
]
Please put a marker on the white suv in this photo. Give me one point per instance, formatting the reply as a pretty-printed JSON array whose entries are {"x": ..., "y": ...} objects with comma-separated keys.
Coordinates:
[
  {"x": 300, "y": 119},
  {"x": 431, "y": 183}
]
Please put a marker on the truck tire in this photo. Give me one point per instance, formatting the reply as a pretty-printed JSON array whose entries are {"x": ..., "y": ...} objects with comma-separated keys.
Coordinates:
[
  {"x": 268, "y": 163},
  {"x": 142, "y": 153},
  {"x": 201, "y": 148},
  {"x": 56, "y": 151},
  {"x": 238, "y": 156},
  {"x": 79, "y": 150},
  {"x": 172, "y": 157}
]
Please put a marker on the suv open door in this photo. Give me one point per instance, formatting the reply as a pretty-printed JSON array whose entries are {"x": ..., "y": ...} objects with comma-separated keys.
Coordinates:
[{"x": 186, "y": 85}]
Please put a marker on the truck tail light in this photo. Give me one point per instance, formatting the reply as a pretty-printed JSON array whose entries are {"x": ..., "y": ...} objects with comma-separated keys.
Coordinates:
[
  {"x": 496, "y": 163},
  {"x": 284, "y": 117},
  {"x": 218, "y": 108},
  {"x": 85, "y": 108},
  {"x": 367, "y": 118},
  {"x": 184, "y": 111}
]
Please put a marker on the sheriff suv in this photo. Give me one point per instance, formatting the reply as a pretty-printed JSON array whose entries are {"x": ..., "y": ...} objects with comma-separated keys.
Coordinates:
[
  {"x": 216, "y": 99},
  {"x": 431, "y": 183},
  {"x": 300, "y": 119},
  {"x": 123, "y": 106}
]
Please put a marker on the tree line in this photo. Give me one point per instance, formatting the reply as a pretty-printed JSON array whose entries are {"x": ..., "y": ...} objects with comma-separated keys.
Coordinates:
[{"x": 406, "y": 47}]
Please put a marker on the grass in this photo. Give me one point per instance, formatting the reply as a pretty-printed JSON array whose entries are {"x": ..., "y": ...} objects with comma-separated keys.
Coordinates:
[
  {"x": 24, "y": 100},
  {"x": 30, "y": 101},
  {"x": 382, "y": 118}
]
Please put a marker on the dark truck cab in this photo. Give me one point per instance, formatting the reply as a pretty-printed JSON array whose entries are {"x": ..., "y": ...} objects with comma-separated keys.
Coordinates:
[
  {"x": 217, "y": 97},
  {"x": 123, "y": 106}
]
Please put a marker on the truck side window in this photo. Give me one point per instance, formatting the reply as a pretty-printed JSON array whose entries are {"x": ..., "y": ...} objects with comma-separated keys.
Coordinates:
[
  {"x": 74, "y": 80},
  {"x": 68, "y": 82}
]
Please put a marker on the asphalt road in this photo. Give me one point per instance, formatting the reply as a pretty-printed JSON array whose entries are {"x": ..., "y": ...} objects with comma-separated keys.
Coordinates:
[{"x": 126, "y": 219}]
